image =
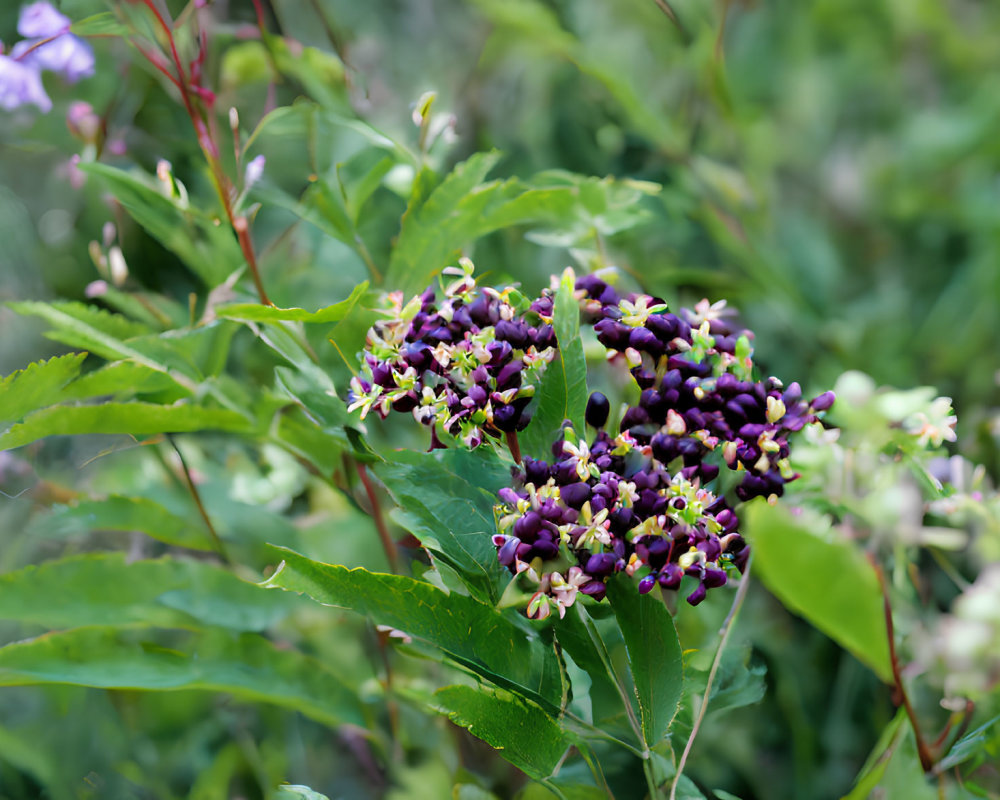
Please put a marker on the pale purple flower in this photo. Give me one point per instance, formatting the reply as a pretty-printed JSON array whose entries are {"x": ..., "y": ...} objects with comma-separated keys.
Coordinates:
[
  {"x": 66, "y": 54},
  {"x": 21, "y": 84},
  {"x": 41, "y": 20}
]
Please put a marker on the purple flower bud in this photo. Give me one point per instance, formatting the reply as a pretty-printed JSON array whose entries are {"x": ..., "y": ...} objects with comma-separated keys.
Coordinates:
[
  {"x": 545, "y": 549},
  {"x": 595, "y": 589},
  {"x": 663, "y": 325},
  {"x": 575, "y": 494},
  {"x": 634, "y": 416},
  {"x": 697, "y": 595},
  {"x": 647, "y": 583},
  {"x": 527, "y": 526},
  {"x": 535, "y": 471},
  {"x": 715, "y": 578},
  {"x": 507, "y": 551},
  {"x": 506, "y": 418},
  {"x": 670, "y": 576},
  {"x": 513, "y": 331},
  {"x": 823, "y": 402},
  {"x": 600, "y": 565},
  {"x": 792, "y": 394},
  {"x": 598, "y": 408},
  {"x": 612, "y": 334},
  {"x": 645, "y": 341},
  {"x": 509, "y": 496}
]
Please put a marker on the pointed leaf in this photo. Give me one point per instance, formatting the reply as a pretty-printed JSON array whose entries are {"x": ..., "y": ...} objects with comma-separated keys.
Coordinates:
[
  {"x": 256, "y": 312},
  {"x": 654, "y": 655},
  {"x": 563, "y": 392},
  {"x": 447, "y": 500},
  {"x": 138, "y": 419},
  {"x": 528, "y": 737},
  {"x": 470, "y": 633},
  {"x": 103, "y": 588},
  {"x": 826, "y": 580},
  {"x": 246, "y": 665},
  {"x": 37, "y": 385}
]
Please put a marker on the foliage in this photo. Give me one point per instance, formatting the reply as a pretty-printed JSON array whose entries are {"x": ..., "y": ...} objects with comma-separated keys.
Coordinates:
[{"x": 224, "y": 580}]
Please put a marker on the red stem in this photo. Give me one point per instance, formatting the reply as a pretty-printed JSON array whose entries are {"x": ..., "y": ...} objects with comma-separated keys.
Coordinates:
[
  {"x": 383, "y": 531},
  {"x": 923, "y": 751}
]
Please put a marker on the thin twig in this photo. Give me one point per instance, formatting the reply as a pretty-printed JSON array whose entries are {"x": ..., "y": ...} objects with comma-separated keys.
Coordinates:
[
  {"x": 220, "y": 547},
  {"x": 388, "y": 544},
  {"x": 923, "y": 751},
  {"x": 725, "y": 630}
]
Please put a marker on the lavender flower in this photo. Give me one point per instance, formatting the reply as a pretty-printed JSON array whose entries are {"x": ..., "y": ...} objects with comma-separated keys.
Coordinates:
[
  {"x": 68, "y": 55},
  {"x": 41, "y": 20},
  {"x": 20, "y": 85}
]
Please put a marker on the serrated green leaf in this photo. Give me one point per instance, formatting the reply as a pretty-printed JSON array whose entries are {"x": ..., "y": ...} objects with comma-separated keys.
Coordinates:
[
  {"x": 447, "y": 500},
  {"x": 118, "y": 513},
  {"x": 827, "y": 581},
  {"x": 37, "y": 385},
  {"x": 472, "y": 634},
  {"x": 563, "y": 391},
  {"x": 100, "y": 333},
  {"x": 122, "y": 378},
  {"x": 137, "y": 419},
  {"x": 104, "y": 588},
  {"x": 256, "y": 312},
  {"x": 527, "y": 736},
  {"x": 103, "y": 24},
  {"x": 654, "y": 655},
  {"x": 207, "y": 249},
  {"x": 246, "y": 665}
]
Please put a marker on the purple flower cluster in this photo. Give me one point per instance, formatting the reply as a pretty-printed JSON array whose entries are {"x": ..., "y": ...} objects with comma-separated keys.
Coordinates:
[
  {"x": 48, "y": 45},
  {"x": 640, "y": 501},
  {"x": 467, "y": 367}
]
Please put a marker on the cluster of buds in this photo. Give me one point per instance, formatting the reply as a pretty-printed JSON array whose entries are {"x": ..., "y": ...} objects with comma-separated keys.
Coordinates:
[
  {"x": 467, "y": 367},
  {"x": 646, "y": 501}
]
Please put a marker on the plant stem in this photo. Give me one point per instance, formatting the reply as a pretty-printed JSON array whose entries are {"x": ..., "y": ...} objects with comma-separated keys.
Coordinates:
[
  {"x": 725, "y": 630},
  {"x": 923, "y": 751},
  {"x": 391, "y": 552},
  {"x": 514, "y": 446},
  {"x": 220, "y": 547}
]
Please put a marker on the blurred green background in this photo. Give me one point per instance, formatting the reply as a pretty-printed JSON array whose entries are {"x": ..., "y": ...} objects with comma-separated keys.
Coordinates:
[{"x": 830, "y": 167}]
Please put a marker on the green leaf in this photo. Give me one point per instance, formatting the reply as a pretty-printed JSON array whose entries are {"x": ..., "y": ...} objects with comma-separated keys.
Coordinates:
[
  {"x": 528, "y": 737},
  {"x": 973, "y": 744},
  {"x": 470, "y": 633},
  {"x": 104, "y": 588},
  {"x": 37, "y": 385},
  {"x": 209, "y": 250},
  {"x": 119, "y": 513},
  {"x": 563, "y": 391},
  {"x": 137, "y": 419},
  {"x": 446, "y": 500},
  {"x": 122, "y": 378},
  {"x": 101, "y": 333},
  {"x": 103, "y": 24},
  {"x": 827, "y": 580},
  {"x": 247, "y": 665},
  {"x": 654, "y": 655},
  {"x": 255, "y": 312}
]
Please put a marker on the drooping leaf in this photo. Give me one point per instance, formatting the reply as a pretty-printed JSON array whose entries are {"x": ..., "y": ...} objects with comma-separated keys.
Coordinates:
[
  {"x": 563, "y": 392},
  {"x": 138, "y": 419},
  {"x": 37, "y": 385},
  {"x": 826, "y": 580},
  {"x": 256, "y": 312},
  {"x": 246, "y": 665},
  {"x": 121, "y": 513},
  {"x": 446, "y": 500},
  {"x": 654, "y": 655},
  {"x": 472, "y": 634},
  {"x": 529, "y": 738},
  {"x": 103, "y": 589},
  {"x": 975, "y": 744}
]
